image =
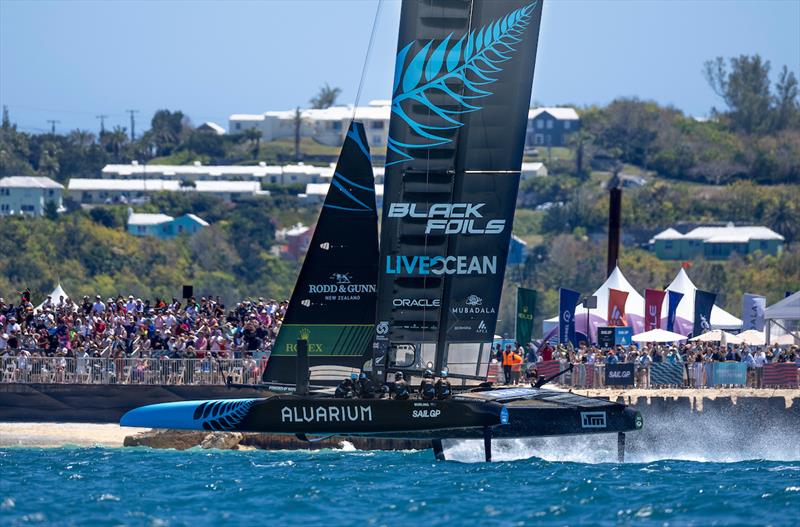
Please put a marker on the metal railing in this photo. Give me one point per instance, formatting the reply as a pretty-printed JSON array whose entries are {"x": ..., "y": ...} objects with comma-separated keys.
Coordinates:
[{"x": 208, "y": 371}]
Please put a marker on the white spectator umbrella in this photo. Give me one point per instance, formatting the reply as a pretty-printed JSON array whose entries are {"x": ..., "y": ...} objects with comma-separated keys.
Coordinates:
[
  {"x": 658, "y": 335},
  {"x": 717, "y": 335},
  {"x": 784, "y": 340},
  {"x": 753, "y": 337}
]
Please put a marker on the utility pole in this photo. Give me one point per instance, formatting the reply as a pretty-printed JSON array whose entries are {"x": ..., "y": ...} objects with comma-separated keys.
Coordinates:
[
  {"x": 133, "y": 123},
  {"x": 102, "y": 118},
  {"x": 53, "y": 123}
]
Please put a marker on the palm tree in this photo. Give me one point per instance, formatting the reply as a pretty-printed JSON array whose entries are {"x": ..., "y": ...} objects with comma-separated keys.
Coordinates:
[
  {"x": 254, "y": 136},
  {"x": 82, "y": 139},
  {"x": 115, "y": 141},
  {"x": 326, "y": 97}
]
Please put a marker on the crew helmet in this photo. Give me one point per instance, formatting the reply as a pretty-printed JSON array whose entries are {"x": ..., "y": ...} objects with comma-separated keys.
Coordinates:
[{"x": 428, "y": 374}]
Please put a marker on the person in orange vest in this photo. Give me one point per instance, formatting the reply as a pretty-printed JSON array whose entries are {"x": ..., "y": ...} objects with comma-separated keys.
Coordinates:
[
  {"x": 516, "y": 366},
  {"x": 507, "y": 353}
]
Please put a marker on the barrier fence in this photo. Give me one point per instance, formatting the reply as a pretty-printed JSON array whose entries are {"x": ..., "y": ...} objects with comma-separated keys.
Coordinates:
[
  {"x": 207, "y": 371},
  {"x": 211, "y": 371}
]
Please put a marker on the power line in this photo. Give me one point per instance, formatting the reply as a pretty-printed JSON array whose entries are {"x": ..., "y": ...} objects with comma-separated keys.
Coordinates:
[
  {"x": 53, "y": 123},
  {"x": 133, "y": 124}
]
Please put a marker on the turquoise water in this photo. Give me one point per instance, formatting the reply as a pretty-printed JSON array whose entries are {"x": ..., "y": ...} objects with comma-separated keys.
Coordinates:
[{"x": 98, "y": 486}]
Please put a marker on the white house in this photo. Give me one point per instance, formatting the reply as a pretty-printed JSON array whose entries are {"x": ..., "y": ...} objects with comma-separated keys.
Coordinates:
[
  {"x": 532, "y": 170},
  {"x": 132, "y": 190},
  {"x": 164, "y": 226},
  {"x": 327, "y": 126},
  {"x": 550, "y": 126},
  {"x": 28, "y": 195}
]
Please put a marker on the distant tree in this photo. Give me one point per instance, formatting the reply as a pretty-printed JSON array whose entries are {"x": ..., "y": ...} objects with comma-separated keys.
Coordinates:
[
  {"x": 743, "y": 84},
  {"x": 326, "y": 97},
  {"x": 114, "y": 142},
  {"x": 298, "y": 123},
  {"x": 253, "y": 135},
  {"x": 6, "y": 120},
  {"x": 166, "y": 128},
  {"x": 50, "y": 210}
]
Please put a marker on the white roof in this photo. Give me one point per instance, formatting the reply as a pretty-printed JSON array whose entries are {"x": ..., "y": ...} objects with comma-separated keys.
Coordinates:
[
  {"x": 55, "y": 296},
  {"x": 141, "y": 218},
  {"x": 562, "y": 114},
  {"x": 532, "y": 167},
  {"x": 297, "y": 230},
  {"x": 29, "y": 182},
  {"x": 193, "y": 170},
  {"x": 215, "y": 127},
  {"x": 246, "y": 117},
  {"x": 682, "y": 284},
  {"x": 158, "y": 185},
  {"x": 669, "y": 234},
  {"x": 732, "y": 234},
  {"x": 786, "y": 309},
  {"x": 198, "y": 219},
  {"x": 375, "y": 111}
]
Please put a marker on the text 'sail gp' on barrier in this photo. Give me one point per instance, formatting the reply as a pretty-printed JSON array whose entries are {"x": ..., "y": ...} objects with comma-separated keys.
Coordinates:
[
  {"x": 781, "y": 374},
  {"x": 666, "y": 374},
  {"x": 619, "y": 374},
  {"x": 726, "y": 374}
]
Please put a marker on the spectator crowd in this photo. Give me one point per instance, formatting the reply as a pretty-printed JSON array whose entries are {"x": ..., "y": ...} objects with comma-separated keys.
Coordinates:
[{"x": 128, "y": 327}]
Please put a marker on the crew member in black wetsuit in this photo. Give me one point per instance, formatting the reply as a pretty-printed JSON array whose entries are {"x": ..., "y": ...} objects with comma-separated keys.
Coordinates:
[
  {"x": 345, "y": 390},
  {"x": 427, "y": 389},
  {"x": 443, "y": 389},
  {"x": 366, "y": 387},
  {"x": 400, "y": 390}
]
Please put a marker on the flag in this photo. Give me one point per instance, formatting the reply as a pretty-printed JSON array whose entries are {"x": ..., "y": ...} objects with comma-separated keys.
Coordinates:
[
  {"x": 567, "y": 301},
  {"x": 616, "y": 307},
  {"x": 526, "y": 303},
  {"x": 653, "y": 300},
  {"x": 672, "y": 308},
  {"x": 703, "y": 302},
  {"x": 753, "y": 307}
]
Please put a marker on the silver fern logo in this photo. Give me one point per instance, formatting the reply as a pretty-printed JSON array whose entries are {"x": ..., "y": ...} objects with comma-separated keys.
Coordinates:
[{"x": 473, "y": 62}]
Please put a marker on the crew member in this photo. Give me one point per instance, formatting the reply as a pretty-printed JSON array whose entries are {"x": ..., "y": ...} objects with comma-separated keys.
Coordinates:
[
  {"x": 366, "y": 387},
  {"x": 443, "y": 389},
  {"x": 427, "y": 389},
  {"x": 345, "y": 390},
  {"x": 401, "y": 392},
  {"x": 507, "y": 364}
]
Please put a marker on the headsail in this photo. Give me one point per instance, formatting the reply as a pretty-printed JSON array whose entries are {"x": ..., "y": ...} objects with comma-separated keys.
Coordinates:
[
  {"x": 462, "y": 89},
  {"x": 333, "y": 302}
]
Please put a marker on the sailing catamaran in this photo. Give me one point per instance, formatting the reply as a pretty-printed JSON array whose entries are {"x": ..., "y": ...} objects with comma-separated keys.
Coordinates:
[{"x": 429, "y": 298}]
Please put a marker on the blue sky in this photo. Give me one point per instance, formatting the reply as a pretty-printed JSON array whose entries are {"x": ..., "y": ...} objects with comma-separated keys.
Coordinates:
[{"x": 73, "y": 60}]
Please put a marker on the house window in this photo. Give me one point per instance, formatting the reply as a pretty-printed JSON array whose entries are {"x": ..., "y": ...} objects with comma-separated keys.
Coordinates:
[
  {"x": 377, "y": 125},
  {"x": 50, "y": 192},
  {"x": 549, "y": 124},
  {"x": 336, "y": 125},
  {"x": 5, "y": 192},
  {"x": 140, "y": 229},
  {"x": 376, "y": 140},
  {"x": 567, "y": 124},
  {"x": 27, "y": 208},
  {"x": 238, "y": 126},
  {"x": 538, "y": 139},
  {"x": 180, "y": 228},
  {"x": 5, "y": 207},
  {"x": 763, "y": 244},
  {"x": 668, "y": 245},
  {"x": 540, "y": 125}
]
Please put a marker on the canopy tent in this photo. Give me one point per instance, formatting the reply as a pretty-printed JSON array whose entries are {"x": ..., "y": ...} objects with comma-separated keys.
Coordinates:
[
  {"x": 784, "y": 316},
  {"x": 634, "y": 308},
  {"x": 684, "y": 318},
  {"x": 785, "y": 340},
  {"x": 753, "y": 337},
  {"x": 717, "y": 335},
  {"x": 658, "y": 335},
  {"x": 56, "y": 297}
]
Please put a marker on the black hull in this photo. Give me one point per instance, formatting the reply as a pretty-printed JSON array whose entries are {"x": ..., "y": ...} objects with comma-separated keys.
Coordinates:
[{"x": 514, "y": 413}]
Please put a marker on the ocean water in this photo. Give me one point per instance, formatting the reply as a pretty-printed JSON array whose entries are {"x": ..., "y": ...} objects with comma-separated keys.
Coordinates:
[{"x": 552, "y": 482}]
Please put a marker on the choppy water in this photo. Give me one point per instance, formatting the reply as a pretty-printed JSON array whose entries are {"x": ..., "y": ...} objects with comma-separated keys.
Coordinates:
[{"x": 100, "y": 486}]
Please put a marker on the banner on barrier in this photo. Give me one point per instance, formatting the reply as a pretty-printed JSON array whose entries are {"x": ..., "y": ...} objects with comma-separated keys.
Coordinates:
[
  {"x": 619, "y": 374},
  {"x": 548, "y": 368},
  {"x": 781, "y": 374},
  {"x": 662, "y": 373},
  {"x": 719, "y": 373}
]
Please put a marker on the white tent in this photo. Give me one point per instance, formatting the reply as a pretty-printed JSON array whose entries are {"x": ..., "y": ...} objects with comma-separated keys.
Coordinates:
[
  {"x": 784, "y": 315},
  {"x": 658, "y": 335},
  {"x": 56, "y": 297},
  {"x": 753, "y": 337},
  {"x": 634, "y": 307},
  {"x": 717, "y": 335},
  {"x": 720, "y": 319}
]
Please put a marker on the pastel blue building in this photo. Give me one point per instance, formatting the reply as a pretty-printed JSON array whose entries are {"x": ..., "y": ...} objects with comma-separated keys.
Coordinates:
[{"x": 164, "y": 226}]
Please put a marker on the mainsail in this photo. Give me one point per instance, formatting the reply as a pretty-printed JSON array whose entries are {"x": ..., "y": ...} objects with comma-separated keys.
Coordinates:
[
  {"x": 462, "y": 89},
  {"x": 337, "y": 283}
]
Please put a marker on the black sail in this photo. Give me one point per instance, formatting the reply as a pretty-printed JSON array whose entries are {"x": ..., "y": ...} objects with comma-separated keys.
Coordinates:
[
  {"x": 462, "y": 89},
  {"x": 333, "y": 302}
]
